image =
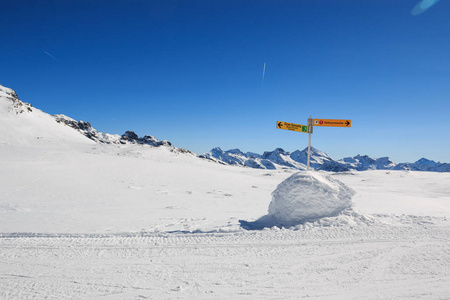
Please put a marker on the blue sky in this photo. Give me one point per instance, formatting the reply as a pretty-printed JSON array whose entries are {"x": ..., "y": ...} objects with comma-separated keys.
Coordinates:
[{"x": 192, "y": 71}]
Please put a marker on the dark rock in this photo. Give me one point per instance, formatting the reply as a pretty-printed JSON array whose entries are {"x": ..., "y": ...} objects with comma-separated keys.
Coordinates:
[{"x": 130, "y": 136}]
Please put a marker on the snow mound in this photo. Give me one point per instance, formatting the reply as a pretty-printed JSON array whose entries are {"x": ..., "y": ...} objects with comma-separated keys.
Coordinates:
[{"x": 305, "y": 197}]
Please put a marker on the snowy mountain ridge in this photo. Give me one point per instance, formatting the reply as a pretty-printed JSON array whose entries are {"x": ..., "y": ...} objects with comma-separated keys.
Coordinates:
[
  {"x": 129, "y": 137},
  {"x": 281, "y": 159},
  {"x": 277, "y": 159}
]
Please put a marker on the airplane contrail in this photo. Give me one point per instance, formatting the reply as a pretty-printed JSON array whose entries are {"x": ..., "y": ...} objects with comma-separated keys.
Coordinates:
[
  {"x": 52, "y": 57},
  {"x": 264, "y": 73}
]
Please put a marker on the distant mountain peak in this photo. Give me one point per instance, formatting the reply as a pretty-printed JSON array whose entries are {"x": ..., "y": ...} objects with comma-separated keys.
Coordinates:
[
  {"x": 425, "y": 161},
  {"x": 235, "y": 151}
]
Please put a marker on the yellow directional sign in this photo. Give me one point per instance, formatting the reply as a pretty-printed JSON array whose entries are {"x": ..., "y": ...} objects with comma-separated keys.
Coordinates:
[
  {"x": 332, "y": 123},
  {"x": 292, "y": 126}
]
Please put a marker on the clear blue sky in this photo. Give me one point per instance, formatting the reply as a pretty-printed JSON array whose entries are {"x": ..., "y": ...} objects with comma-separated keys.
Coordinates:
[{"x": 191, "y": 72}]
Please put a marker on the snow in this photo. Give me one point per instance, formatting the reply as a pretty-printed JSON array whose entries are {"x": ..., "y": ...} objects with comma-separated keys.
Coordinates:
[
  {"x": 400, "y": 192},
  {"x": 307, "y": 196},
  {"x": 22, "y": 126},
  {"x": 375, "y": 262},
  {"x": 7, "y": 92},
  {"x": 107, "y": 188},
  {"x": 86, "y": 220}
]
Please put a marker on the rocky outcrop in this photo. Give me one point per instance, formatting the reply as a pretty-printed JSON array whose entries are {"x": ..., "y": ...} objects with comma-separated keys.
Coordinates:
[
  {"x": 133, "y": 138},
  {"x": 129, "y": 137}
]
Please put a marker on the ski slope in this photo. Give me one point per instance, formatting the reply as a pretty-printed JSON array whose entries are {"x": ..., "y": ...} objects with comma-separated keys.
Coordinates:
[
  {"x": 129, "y": 188},
  {"x": 137, "y": 222},
  {"x": 83, "y": 220}
]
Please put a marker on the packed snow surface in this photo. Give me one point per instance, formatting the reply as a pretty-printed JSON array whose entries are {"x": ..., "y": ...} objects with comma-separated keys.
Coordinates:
[
  {"x": 308, "y": 196},
  {"x": 359, "y": 262}
]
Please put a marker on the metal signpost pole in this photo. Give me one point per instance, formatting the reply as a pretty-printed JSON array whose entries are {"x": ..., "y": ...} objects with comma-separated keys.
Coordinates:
[{"x": 310, "y": 130}]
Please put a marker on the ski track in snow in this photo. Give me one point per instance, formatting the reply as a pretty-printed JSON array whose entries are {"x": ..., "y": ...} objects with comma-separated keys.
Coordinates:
[{"x": 373, "y": 262}]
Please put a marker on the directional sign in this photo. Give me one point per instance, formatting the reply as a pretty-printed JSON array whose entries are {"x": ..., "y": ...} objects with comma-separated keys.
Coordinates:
[
  {"x": 309, "y": 129},
  {"x": 292, "y": 126},
  {"x": 332, "y": 123}
]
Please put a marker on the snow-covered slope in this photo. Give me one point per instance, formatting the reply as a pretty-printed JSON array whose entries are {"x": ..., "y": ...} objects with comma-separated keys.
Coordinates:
[
  {"x": 62, "y": 175},
  {"x": 54, "y": 178},
  {"x": 23, "y": 124},
  {"x": 129, "y": 221}
]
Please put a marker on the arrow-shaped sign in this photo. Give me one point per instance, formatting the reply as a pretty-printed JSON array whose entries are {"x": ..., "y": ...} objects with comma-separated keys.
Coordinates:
[
  {"x": 292, "y": 126},
  {"x": 332, "y": 123}
]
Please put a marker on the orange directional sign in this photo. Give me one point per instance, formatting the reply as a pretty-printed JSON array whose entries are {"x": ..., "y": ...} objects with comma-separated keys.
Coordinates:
[
  {"x": 332, "y": 123},
  {"x": 292, "y": 126}
]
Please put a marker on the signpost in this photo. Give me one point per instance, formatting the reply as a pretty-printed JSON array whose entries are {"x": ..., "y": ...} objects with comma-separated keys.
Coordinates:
[
  {"x": 310, "y": 124},
  {"x": 292, "y": 126},
  {"x": 309, "y": 129},
  {"x": 332, "y": 123}
]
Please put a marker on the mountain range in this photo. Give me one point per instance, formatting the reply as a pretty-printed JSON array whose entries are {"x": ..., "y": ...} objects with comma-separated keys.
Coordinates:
[
  {"x": 278, "y": 159},
  {"x": 281, "y": 159}
]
